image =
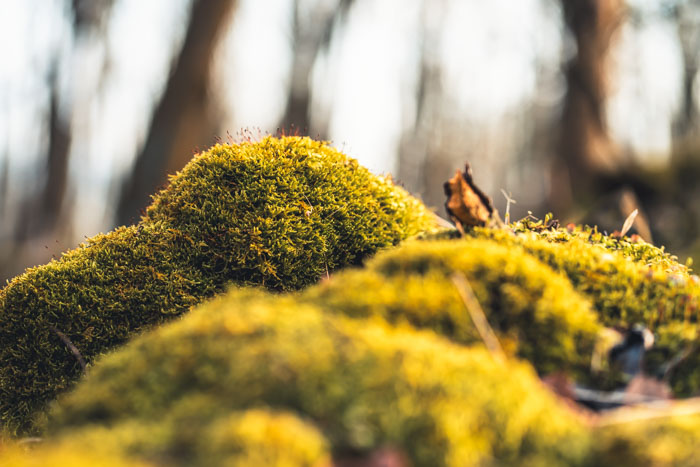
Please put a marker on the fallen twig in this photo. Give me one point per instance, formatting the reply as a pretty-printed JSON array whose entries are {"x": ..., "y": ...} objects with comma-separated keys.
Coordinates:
[
  {"x": 477, "y": 315},
  {"x": 70, "y": 345}
]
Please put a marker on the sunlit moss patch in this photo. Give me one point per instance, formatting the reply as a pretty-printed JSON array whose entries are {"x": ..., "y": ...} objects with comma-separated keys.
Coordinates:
[
  {"x": 627, "y": 284},
  {"x": 534, "y": 311}
]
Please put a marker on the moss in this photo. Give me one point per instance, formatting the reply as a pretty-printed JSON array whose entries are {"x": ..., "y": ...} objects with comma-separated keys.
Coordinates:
[
  {"x": 279, "y": 213},
  {"x": 254, "y": 437},
  {"x": 627, "y": 285},
  {"x": 664, "y": 441},
  {"x": 363, "y": 384},
  {"x": 631, "y": 247},
  {"x": 73, "y": 453},
  {"x": 676, "y": 358},
  {"x": 260, "y": 437},
  {"x": 533, "y": 310}
]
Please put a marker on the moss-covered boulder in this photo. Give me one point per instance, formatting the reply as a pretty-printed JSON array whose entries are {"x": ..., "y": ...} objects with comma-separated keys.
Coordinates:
[
  {"x": 534, "y": 311},
  {"x": 362, "y": 384},
  {"x": 279, "y": 213}
]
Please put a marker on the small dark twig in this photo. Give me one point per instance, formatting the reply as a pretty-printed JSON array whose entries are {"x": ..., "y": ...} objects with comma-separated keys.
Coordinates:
[{"x": 70, "y": 345}]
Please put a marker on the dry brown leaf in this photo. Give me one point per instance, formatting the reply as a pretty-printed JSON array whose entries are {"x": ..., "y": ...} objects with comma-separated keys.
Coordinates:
[{"x": 466, "y": 204}]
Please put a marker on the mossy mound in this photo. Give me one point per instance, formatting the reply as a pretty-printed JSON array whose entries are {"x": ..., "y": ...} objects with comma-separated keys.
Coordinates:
[
  {"x": 285, "y": 211},
  {"x": 279, "y": 213},
  {"x": 361, "y": 383},
  {"x": 534, "y": 311},
  {"x": 626, "y": 284}
]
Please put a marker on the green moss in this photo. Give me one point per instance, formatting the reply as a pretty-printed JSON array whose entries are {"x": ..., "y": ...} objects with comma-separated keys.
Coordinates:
[
  {"x": 191, "y": 435},
  {"x": 627, "y": 284},
  {"x": 284, "y": 212},
  {"x": 363, "y": 384},
  {"x": 279, "y": 213},
  {"x": 636, "y": 249},
  {"x": 260, "y": 437},
  {"x": 534, "y": 311},
  {"x": 676, "y": 358},
  {"x": 73, "y": 453},
  {"x": 663, "y": 441}
]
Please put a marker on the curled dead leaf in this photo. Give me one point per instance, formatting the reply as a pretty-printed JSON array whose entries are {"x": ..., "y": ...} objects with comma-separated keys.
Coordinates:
[{"x": 466, "y": 204}]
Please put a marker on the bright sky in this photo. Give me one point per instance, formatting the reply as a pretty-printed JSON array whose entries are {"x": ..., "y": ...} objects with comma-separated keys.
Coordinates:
[{"x": 490, "y": 51}]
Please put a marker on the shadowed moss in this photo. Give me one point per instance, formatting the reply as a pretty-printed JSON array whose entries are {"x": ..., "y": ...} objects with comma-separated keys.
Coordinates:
[
  {"x": 364, "y": 384},
  {"x": 279, "y": 213},
  {"x": 534, "y": 311}
]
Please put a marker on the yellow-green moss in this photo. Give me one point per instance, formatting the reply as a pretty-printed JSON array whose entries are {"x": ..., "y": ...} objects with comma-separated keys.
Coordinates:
[
  {"x": 363, "y": 384},
  {"x": 279, "y": 213},
  {"x": 285, "y": 211},
  {"x": 534, "y": 311},
  {"x": 260, "y": 437},
  {"x": 71, "y": 453},
  {"x": 664, "y": 441},
  {"x": 637, "y": 250},
  {"x": 192, "y": 435},
  {"x": 626, "y": 285}
]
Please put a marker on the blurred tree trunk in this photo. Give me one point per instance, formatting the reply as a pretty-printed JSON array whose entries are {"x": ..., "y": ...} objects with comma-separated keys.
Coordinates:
[
  {"x": 183, "y": 119},
  {"x": 42, "y": 210},
  {"x": 586, "y": 152},
  {"x": 312, "y": 32},
  {"x": 423, "y": 166},
  {"x": 4, "y": 171},
  {"x": 685, "y": 131},
  {"x": 43, "y": 222},
  {"x": 419, "y": 157}
]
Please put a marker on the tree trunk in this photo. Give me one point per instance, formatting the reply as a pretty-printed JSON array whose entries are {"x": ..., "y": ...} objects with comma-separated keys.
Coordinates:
[
  {"x": 685, "y": 131},
  {"x": 586, "y": 152},
  {"x": 183, "y": 119},
  {"x": 310, "y": 38}
]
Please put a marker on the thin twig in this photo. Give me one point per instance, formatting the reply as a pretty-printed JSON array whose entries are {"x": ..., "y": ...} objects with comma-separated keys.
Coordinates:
[
  {"x": 477, "y": 315},
  {"x": 70, "y": 345}
]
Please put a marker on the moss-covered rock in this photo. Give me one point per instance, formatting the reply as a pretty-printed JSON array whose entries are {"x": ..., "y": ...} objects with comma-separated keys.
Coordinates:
[
  {"x": 279, "y": 213},
  {"x": 534, "y": 311},
  {"x": 361, "y": 383}
]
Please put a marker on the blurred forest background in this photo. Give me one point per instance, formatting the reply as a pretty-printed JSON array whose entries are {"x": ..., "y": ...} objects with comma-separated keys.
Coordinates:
[{"x": 587, "y": 108}]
